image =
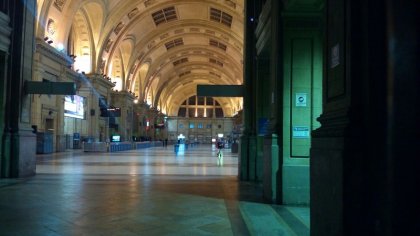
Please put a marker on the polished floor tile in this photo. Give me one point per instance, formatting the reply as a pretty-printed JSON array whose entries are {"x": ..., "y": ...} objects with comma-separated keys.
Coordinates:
[
  {"x": 151, "y": 191},
  {"x": 199, "y": 160}
]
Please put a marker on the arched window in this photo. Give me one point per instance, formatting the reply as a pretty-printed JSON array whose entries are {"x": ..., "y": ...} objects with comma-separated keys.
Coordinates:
[{"x": 200, "y": 107}]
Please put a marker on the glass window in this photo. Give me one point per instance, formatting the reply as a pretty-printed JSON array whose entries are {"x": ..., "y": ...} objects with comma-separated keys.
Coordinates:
[
  {"x": 182, "y": 112},
  {"x": 192, "y": 125},
  {"x": 206, "y": 107},
  {"x": 200, "y": 101},
  {"x": 208, "y": 126},
  {"x": 209, "y": 112},
  {"x": 191, "y": 100},
  {"x": 200, "y": 125},
  {"x": 200, "y": 112},
  {"x": 219, "y": 113},
  {"x": 181, "y": 126},
  {"x": 191, "y": 112}
]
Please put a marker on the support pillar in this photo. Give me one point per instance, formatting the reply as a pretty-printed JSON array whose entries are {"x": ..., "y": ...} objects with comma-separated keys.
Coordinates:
[
  {"x": 365, "y": 154},
  {"x": 272, "y": 181},
  {"x": 19, "y": 143},
  {"x": 247, "y": 144},
  {"x": 5, "y": 32}
]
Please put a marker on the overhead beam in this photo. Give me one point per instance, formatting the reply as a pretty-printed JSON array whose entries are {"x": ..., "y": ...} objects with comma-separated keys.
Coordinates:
[{"x": 220, "y": 90}]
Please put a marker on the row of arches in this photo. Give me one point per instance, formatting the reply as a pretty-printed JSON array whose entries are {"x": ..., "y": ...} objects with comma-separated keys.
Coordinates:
[{"x": 127, "y": 42}]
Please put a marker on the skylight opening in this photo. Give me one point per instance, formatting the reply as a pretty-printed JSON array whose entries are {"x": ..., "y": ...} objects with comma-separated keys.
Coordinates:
[
  {"x": 164, "y": 15},
  {"x": 221, "y": 17}
]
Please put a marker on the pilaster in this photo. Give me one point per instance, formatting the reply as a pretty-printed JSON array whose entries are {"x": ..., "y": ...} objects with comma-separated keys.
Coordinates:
[
  {"x": 125, "y": 101},
  {"x": 18, "y": 140},
  {"x": 355, "y": 187},
  {"x": 247, "y": 144},
  {"x": 272, "y": 180},
  {"x": 5, "y": 32}
]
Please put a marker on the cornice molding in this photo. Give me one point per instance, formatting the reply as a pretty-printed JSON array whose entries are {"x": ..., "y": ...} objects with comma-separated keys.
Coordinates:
[
  {"x": 339, "y": 123},
  {"x": 99, "y": 80},
  {"x": 123, "y": 94},
  {"x": 47, "y": 50}
]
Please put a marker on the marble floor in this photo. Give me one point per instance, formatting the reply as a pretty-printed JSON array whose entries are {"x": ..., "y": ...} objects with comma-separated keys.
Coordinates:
[{"x": 152, "y": 191}]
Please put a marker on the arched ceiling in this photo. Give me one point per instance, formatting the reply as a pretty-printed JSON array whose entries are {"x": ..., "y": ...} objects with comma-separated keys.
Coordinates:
[{"x": 159, "y": 49}]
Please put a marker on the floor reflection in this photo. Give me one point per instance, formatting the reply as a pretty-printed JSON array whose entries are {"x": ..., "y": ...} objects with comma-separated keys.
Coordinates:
[{"x": 197, "y": 160}]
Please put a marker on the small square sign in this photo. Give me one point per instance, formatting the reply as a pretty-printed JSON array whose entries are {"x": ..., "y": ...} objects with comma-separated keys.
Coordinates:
[
  {"x": 301, "y": 132},
  {"x": 301, "y": 99}
]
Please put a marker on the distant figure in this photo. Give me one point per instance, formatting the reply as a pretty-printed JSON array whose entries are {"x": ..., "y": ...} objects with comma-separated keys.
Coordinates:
[
  {"x": 166, "y": 142},
  {"x": 220, "y": 144}
]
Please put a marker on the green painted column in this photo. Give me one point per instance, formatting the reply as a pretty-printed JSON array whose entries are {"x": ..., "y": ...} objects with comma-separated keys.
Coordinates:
[
  {"x": 4, "y": 50},
  {"x": 2, "y": 106},
  {"x": 302, "y": 104},
  {"x": 263, "y": 113},
  {"x": 247, "y": 144},
  {"x": 269, "y": 100}
]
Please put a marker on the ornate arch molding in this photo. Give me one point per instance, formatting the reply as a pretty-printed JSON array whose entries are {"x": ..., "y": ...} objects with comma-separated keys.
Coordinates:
[{"x": 128, "y": 21}]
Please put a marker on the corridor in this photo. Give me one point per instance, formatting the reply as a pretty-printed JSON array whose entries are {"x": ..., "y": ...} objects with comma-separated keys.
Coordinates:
[{"x": 142, "y": 192}]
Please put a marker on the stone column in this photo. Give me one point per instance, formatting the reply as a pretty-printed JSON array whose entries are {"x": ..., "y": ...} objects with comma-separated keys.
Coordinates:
[
  {"x": 5, "y": 32},
  {"x": 364, "y": 157},
  {"x": 19, "y": 143},
  {"x": 61, "y": 137},
  {"x": 247, "y": 144}
]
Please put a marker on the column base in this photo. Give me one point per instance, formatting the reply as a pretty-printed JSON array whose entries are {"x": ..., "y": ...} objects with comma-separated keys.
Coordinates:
[
  {"x": 19, "y": 154},
  {"x": 247, "y": 158},
  {"x": 272, "y": 175}
]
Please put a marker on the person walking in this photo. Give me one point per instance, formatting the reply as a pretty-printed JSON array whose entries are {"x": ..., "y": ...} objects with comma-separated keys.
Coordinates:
[{"x": 220, "y": 146}]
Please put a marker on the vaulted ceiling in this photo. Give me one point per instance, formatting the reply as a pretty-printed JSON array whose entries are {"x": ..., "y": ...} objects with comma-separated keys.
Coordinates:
[{"x": 158, "y": 49}]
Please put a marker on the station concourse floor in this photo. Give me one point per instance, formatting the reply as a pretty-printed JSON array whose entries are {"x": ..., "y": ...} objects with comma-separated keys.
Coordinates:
[{"x": 150, "y": 191}]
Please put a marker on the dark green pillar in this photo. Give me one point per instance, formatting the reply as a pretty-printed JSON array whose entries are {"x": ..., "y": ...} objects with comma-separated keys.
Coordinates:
[
  {"x": 247, "y": 150},
  {"x": 4, "y": 54},
  {"x": 364, "y": 157},
  {"x": 269, "y": 100}
]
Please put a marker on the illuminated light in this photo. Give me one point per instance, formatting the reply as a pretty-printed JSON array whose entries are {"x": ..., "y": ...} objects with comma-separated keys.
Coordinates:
[
  {"x": 136, "y": 101},
  {"x": 220, "y": 135},
  {"x": 83, "y": 63},
  {"x": 118, "y": 83},
  {"x": 60, "y": 47}
]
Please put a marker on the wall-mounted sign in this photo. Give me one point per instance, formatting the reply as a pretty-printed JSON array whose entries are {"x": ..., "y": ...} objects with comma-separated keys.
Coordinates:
[
  {"x": 300, "y": 132},
  {"x": 301, "y": 99},
  {"x": 335, "y": 55}
]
